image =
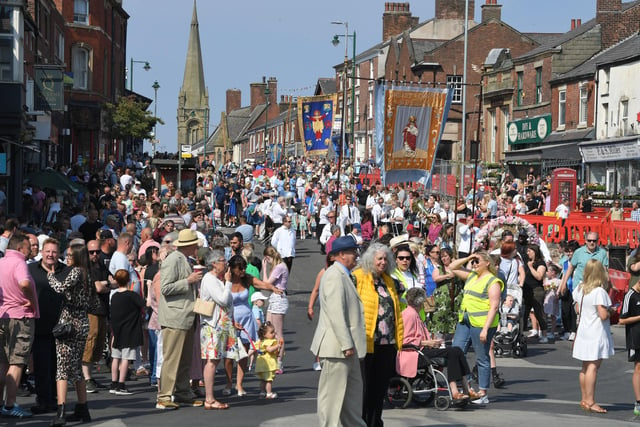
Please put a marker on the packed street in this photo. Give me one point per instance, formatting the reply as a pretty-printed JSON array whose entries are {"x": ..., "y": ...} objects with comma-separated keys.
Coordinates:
[{"x": 540, "y": 389}]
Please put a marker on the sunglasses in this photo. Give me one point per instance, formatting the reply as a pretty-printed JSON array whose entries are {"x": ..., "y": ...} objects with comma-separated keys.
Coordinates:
[
  {"x": 404, "y": 258},
  {"x": 94, "y": 252},
  {"x": 592, "y": 240}
]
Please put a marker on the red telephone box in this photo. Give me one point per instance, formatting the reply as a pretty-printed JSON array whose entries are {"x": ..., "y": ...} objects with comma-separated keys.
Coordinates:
[{"x": 563, "y": 185}]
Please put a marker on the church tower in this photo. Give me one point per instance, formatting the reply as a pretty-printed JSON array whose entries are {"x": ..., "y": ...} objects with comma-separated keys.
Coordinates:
[{"x": 193, "y": 100}]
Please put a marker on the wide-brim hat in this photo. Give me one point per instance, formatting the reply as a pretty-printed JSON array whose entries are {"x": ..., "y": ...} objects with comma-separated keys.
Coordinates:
[
  {"x": 186, "y": 237},
  {"x": 399, "y": 240},
  {"x": 343, "y": 243}
]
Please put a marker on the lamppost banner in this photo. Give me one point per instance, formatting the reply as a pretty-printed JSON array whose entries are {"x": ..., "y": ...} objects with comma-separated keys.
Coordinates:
[
  {"x": 409, "y": 125},
  {"x": 316, "y": 114}
]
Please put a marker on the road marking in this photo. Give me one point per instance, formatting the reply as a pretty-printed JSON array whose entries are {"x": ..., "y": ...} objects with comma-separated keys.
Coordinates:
[{"x": 521, "y": 363}]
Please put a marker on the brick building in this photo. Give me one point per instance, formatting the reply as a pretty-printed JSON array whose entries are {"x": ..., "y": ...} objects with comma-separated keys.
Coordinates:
[{"x": 551, "y": 90}]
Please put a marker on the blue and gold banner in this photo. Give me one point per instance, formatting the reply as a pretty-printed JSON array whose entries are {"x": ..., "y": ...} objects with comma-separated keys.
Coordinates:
[
  {"x": 316, "y": 115},
  {"x": 409, "y": 124}
]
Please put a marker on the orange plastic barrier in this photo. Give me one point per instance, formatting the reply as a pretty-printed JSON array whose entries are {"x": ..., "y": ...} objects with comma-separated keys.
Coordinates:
[{"x": 622, "y": 233}]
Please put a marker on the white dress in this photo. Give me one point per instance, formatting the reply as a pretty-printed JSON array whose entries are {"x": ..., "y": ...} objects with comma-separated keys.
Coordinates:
[{"x": 593, "y": 339}]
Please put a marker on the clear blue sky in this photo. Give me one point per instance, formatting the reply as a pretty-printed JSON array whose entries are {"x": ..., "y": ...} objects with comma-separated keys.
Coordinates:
[{"x": 243, "y": 40}]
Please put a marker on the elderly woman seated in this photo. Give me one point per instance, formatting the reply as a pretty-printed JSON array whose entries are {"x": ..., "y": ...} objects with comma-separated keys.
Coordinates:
[{"x": 417, "y": 334}]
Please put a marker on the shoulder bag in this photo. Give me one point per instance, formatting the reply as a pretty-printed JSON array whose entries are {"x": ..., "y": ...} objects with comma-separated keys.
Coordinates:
[
  {"x": 63, "y": 329},
  {"x": 203, "y": 307}
]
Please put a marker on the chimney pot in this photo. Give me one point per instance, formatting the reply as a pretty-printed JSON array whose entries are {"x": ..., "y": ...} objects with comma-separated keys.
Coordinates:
[
  {"x": 578, "y": 22},
  {"x": 573, "y": 24}
]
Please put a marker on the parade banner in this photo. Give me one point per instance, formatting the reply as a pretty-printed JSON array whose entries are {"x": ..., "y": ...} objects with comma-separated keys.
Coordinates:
[
  {"x": 409, "y": 124},
  {"x": 316, "y": 114}
]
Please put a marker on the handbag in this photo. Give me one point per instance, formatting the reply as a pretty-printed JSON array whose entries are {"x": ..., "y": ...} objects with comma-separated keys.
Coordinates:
[
  {"x": 203, "y": 307},
  {"x": 242, "y": 351},
  {"x": 63, "y": 329},
  {"x": 429, "y": 304}
]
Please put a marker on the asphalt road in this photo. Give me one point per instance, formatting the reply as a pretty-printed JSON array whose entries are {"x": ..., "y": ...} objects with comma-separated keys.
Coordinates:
[{"x": 541, "y": 389}]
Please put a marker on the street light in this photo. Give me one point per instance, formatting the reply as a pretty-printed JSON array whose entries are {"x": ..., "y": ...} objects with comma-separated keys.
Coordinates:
[
  {"x": 267, "y": 92},
  {"x": 336, "y": 42},
  {"x": 155, "y": 87},
  {"x": 146, "y": 67}
]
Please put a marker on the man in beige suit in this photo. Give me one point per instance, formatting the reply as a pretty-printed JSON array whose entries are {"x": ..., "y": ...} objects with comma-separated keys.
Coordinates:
[
  {"x": 340, "y": 340},
  {"x": 177, "y": 319}
]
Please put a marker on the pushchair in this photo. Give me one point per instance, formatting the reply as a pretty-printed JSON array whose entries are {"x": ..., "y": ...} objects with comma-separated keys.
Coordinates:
[
  {"x": 429, "y": 385},
  {"x": 511, "y": 343}
]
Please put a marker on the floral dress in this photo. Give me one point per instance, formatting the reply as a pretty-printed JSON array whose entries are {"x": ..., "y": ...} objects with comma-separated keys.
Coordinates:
[
  {"x": 385, "y": 332},
  {"x": 77, "y": 295}
]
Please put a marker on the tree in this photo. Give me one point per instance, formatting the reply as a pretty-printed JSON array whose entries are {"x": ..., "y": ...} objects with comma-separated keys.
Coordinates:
[{"x": 130, "y": 119}]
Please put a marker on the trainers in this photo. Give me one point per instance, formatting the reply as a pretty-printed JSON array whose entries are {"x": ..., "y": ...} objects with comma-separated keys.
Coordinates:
[
  {"x": 636, "y": 409},
  {"x": 482, "y": 400},
  {"x": 16, "y": 412},
  {"x": 123, "y": 391},
  {"x": 551, "y": 336},
  {"x": 92, "y": 387},
  {"x": 572, "y": 336},
  {"x": 498, "y": 381},
  {"x": 533, "y": 333},
  {"x": 543, "y": 340},
  {"x": 166, "y": 405},
  {"x": 565, "y": 336},
  {"x": 113, "y": 388},
  {"x": 317, "y": 366}
]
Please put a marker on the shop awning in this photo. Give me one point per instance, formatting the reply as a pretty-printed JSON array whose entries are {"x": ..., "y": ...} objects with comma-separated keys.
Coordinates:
[
  {"x": 611, "y": 149},
  {"x": 567, "y": 151}
]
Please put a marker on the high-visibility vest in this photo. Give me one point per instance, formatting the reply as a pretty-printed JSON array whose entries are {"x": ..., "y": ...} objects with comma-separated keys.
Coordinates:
[{"x": 475, "y": 301}]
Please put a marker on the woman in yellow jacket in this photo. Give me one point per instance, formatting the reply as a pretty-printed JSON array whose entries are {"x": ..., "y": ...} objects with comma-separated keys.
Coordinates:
[{"x": 380, "y": 296}]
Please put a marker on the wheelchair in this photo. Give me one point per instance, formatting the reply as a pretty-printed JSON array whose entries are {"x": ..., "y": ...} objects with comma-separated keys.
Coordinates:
[{"x": 429, "y": 385}]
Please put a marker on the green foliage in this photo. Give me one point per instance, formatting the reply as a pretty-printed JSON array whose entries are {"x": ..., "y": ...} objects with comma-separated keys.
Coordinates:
[
  {"x": 444, "y": 320},
  {"x": 130, "y": 119}
]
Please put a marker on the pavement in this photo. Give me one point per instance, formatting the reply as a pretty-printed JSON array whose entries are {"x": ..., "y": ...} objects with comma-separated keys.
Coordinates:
[{"x": 541, "y": 390}]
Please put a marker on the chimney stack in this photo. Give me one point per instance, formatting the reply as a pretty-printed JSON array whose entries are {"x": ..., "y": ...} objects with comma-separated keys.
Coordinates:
[
  {"x": 609, "y": 17},
  {"x": 573, "y": 24},
  {"x": 491, "y": 10},
  {"x": 454, "y": 9},
  {"x": 234, "y": 100},
  {"x": 257, "y": 93},
  {"x": 396, "y": 19}
]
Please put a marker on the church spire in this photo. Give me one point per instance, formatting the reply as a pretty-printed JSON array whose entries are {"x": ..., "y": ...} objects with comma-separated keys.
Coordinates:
[
  {"x": 193, "y": 101},
  {"x": 193, "y": 82}
]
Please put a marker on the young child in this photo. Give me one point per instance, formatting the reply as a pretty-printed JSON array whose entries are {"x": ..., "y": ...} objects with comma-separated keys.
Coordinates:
[
  {"x": 295, "y": 218},
  {"x": 630, "y": 318},
  {"x": 302, "y": 224},
  {"x": 551, "y": 303},
  {"x": 267, "y": 362},
  {"x": 509, "y": 312},
  {"x": 313, "y": 226},
  {"x": 126, "y": 326},
  {"x": 258, "y": 299}
]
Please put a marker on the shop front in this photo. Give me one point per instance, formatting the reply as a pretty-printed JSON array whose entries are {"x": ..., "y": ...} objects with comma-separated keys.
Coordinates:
[{"x": 614, "y": 163}]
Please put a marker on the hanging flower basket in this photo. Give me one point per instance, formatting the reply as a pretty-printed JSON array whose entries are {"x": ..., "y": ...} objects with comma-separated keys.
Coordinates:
[{"x": 493, "y": 230}]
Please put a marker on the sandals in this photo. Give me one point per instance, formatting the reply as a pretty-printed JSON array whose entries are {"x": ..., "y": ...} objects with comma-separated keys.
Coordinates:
[
  {"x": 593, "y": 408},
  {"x": 474, "y": 394},
  {"x": 215, "y": 405},
  {"x": 460, "y": 396}
]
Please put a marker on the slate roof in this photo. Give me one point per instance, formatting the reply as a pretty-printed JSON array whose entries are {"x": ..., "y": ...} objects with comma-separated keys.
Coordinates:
[
  {"x": 555, "y": 42},
  {"x": 626, "y": 49},
  {"x": 326, "y": 85}
]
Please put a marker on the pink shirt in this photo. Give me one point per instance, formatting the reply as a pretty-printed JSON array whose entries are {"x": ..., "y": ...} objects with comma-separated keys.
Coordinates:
[{"x": 14, "y": 268}]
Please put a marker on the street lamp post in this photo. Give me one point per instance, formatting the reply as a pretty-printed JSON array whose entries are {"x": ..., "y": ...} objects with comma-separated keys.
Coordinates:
[
  {"x": 335, "y": 42},
  {"x": 146, "y": 67},
  {"x": 267, "y": 92},
  {"x": 155, "y": 87}
]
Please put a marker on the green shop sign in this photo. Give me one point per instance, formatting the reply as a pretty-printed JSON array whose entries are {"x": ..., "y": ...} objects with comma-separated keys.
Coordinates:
[{"x": 526, "y": 131}]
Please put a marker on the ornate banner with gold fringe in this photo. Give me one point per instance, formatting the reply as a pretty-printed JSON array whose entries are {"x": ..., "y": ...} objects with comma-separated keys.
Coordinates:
[
  {"x": 315, "y": 114},
  {"x": 409, "y": 125}
]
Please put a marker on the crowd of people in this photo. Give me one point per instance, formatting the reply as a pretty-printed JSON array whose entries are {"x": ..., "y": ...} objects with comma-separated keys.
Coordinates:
[{"x": 145, "y": 277}]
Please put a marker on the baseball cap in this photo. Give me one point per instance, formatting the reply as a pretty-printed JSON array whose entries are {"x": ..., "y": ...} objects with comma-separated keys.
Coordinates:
[{"x": 257, "y": 295}]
